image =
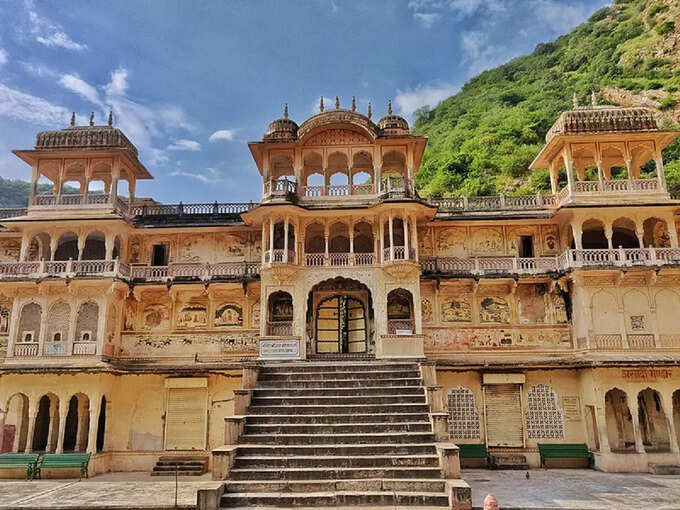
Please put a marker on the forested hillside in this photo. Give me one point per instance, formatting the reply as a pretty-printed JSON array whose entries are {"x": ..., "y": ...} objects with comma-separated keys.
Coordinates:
[{"x": 482, "y": 140}]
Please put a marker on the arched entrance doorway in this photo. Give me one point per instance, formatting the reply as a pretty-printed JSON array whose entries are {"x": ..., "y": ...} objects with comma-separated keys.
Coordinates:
[
  {"x": 339, "y": 318},
  {"x": 340, "y": 325}
]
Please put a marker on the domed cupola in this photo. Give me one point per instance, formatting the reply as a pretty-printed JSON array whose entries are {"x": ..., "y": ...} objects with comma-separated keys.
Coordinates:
[
  {"x": 392, "y": 124},
  {"x": 281, "y": 130}
]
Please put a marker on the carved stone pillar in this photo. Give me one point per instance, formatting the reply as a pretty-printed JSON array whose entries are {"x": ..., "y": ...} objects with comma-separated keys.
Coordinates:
[
  {"x": 92, "y": 429},
  {"x": 391, "y": 229},
  {"x": 63, "y": 413},
  {"x": 404, "y": 223},
  {"x": 608, "y": 233},
  {"x": 637, "y": 432},
  {"x": 285, "y": 240}
]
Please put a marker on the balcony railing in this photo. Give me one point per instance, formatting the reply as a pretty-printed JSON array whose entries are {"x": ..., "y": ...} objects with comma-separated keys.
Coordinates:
[
  {"x": 339, "y": 259},
  {"x": 77, "y": 200},
  {"x": 279, "y": 188},
  {"x": 399, "y": 253},
  {"x": 281, "y": 328},
  {"x": 337, "y": 190},
  {"x": 570, "y": 259},
  {"x": 117, "y": 269},
  {"x": 84, "y": 348},
  {"x": 279, "y": 255},
  {"x": 202, "y": 209},
  {"x": 12, "y": 212},
  {"x": 26, "y": 349},
  {"x": 495, "y": 203}
]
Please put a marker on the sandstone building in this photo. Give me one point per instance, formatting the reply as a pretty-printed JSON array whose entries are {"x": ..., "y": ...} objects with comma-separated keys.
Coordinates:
[{"x": 130, "y": 328}]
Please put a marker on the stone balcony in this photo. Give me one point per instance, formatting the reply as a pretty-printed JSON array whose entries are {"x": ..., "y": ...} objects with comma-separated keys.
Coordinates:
[
  {"x": 77, "y": 201},
  {"x": 123, "y": 271},
  {"x": 569, "y": 260}
]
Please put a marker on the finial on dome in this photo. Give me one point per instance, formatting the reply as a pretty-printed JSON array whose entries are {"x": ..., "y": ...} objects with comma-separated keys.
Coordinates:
[
  {"x": 370, "y": 111},
  {"x": 389, "y": 107},
  {"x": 73, "y": 119},
  {"x": 337, "y": 102},
  {"x": 593, "y": 98},
  {"x": 321, "y": 104},
  {"x": 92, "y": 119},
  {"x": 354, "y": 104},
  {"x": 110, "y": 121},
  {"x": 574, "y": 100},
  {"x": 285, "y": 111}
]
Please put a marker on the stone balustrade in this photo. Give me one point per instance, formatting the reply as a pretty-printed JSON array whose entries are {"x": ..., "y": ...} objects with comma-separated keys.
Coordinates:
[
  {"x": 117, "y": 269},
  {"x": 569, "y": 260}
]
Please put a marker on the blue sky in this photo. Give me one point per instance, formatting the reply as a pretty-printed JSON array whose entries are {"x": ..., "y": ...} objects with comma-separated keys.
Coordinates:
[{"x": 191, "y": 82}]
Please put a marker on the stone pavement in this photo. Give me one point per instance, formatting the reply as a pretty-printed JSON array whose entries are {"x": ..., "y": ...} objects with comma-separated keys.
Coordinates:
[
  {"x": 130, "y": 491},
  {"x": 575, "y": 489}
]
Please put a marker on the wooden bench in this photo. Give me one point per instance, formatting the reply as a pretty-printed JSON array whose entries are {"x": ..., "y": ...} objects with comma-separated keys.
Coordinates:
[
  {"x": 564, "y": 451},
  {"x": 64, "y": 460},
  {"x": 27, "y": 461},
  {"x": 473, "y": 452}
]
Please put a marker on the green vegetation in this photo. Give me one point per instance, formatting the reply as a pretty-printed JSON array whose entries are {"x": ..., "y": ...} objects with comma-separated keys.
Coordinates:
[
  {"x": 482, "y": 140},
  {"x": 13, "y": 193}
]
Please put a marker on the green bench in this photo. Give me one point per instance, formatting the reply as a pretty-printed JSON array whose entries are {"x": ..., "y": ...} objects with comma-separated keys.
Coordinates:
[
  {"x": 64, "y": 460},
  {"x": 473, "y": 452},
  {"x": 565, "y": 451},
  {"x": 27, "y": 461}
]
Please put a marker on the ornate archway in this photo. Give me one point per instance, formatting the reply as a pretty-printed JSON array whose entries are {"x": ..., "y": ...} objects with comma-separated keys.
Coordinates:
[{"x": 339, "y": 318}]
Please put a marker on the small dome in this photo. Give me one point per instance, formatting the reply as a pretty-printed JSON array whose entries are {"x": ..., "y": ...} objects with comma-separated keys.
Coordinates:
[
  {"x": 392, "y": 124},
  {"x": 283, "y": 130}
]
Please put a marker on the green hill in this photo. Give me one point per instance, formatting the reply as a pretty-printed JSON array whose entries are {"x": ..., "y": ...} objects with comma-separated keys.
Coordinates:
[{"x": 482, "y": 139}]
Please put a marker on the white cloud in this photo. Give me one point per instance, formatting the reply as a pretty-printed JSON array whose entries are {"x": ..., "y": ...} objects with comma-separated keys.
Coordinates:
[
  {"x": 208, "y": 176},
  {"x": 428, "y": 19},
  {"x": 39, "y": 70},
  {"x": 19, "y": 105},
  {"x": 408, "y": 101},
  {"x": 184, "y": 145},
  {"x": 118, "y": 84},
  {"x": 3, "y": 56},
  {"x": 223, "y": 134},
  {"x": 479, "y": 54},
  {"x": 81, "y": 87},
  {"x": 560, "y": 16},
  {"x": 142, "y": 124},
  {"x": 49, "y": 34},
  {"x": 328, "y": 104}
]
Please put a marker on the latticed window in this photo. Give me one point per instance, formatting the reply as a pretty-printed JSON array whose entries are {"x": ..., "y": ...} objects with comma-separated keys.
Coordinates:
[
  {"x": 463, "y": 415},
  {"x": 545, "y": 419}
]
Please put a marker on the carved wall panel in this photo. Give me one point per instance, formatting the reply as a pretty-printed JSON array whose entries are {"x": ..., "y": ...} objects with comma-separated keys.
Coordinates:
[
  {"x": 156, "y": 317},
  {"x": 87, "y": 322},
  {"x": 229, "y": 315},
  {"x": 463, "y": 414},
  {"x": 188, "y": 345},
  {"x": 9, "y": 250},
  {"x": 455, "y": 309},
  {"x": 452, "y": 242},
  {"x": 462, "y": 339},
  {"x": 550, "y": 238},
  {"x": 426, "y": 307},
  {"x": 531, "y": 303},
  {"x": 544, "y": 418},
  {"x": 494, "y": 309},
  {"x": 192, "y": 316},
  {"x": 5, "y": 310},
  {"x": 487, "y": 241}
]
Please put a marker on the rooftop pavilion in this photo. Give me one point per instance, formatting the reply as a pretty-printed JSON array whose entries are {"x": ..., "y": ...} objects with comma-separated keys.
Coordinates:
[
  {"x": 608, "y": 149},
  {"x": 93, "y": 159}
]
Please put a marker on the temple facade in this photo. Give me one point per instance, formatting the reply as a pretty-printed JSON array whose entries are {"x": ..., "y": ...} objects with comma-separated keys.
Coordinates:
[{"x": 132, "y": 329}]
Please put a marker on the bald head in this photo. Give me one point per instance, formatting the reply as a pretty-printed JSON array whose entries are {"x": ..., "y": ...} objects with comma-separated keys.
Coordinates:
[{"x": 490, "y": 502}]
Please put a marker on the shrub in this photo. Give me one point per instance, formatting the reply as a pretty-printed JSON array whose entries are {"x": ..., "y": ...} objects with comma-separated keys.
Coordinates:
[
  {"x": 665, "y": 27},
  {"x": 668, "y": 103}
]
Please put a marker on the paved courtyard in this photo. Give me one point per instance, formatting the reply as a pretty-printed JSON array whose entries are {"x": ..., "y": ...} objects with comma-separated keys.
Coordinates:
[{"x": 555, "y": 489}]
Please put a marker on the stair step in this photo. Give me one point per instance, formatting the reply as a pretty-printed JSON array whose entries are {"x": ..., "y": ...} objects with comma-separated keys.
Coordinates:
[
  {"x": 338, "y": 498},
  {"x": 336, "y": 450},
  {"x": 179, "y": 473},
  {"x": 312, "y": 419},
  {"x": 338, "y": 428},
  {"x": 337, "y": 367},
  {"x": 306, "y": 461},
  {"x": 339, "y": 409},
  {"x": 315, "y": 473},
  {"x": 338, "y": 392},
  {"x": 337, "y": 400},
  {"x": 664, "y": 469},
  {"x": 325, "y": 485},
  {"x": 350, "y": 439},
  {"x": 325, "y": 376},
  {"x": 344, "y": 383}
]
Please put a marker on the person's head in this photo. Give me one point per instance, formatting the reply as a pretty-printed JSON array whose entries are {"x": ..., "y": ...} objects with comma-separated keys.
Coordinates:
[{"x": 490, "y": 502}]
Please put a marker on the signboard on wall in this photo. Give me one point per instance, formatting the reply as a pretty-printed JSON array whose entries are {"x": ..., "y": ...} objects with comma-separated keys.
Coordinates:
[
  {"x": 645, "y": 374},
  {"x": 571, "y": 405},
  {"x": 279, "y": 349}
]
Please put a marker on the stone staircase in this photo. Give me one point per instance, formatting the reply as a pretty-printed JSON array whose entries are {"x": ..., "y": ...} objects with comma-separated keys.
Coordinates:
[
  {"x": 186, "y": 465},
  {"x": 338, "y": 434}
]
